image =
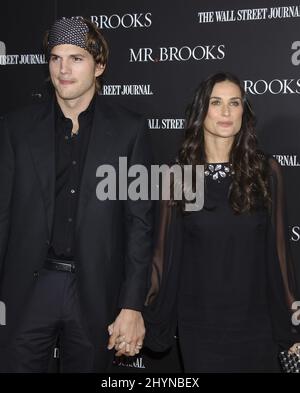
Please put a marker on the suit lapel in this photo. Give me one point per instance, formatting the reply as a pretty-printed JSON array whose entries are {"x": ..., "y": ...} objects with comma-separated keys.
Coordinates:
[
  {"x": 41, "y": 143},
  {"x": 42, "y": 146},
  {"x": 99, "y": 146}
]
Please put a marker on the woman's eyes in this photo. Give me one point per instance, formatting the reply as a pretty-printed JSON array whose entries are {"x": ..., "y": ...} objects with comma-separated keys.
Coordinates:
[{"x": 219, "y": 102}]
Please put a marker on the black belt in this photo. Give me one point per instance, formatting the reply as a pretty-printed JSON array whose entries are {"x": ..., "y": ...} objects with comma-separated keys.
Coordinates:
[{"x": 60, "y": 265}]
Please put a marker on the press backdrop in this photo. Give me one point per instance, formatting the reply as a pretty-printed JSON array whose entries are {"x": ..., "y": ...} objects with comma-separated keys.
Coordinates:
[{"x": 159, "y": 52}]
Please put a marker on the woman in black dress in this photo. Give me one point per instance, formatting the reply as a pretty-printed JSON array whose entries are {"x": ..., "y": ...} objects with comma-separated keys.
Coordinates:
[{"x": 223, "y": 275}]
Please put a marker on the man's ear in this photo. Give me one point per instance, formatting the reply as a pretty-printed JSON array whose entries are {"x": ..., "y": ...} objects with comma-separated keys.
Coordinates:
[{"x": 99, "y": 69}]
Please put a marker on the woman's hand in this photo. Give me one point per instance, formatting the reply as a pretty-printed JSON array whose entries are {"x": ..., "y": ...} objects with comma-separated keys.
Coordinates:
[{"x": 295, "y": 349}]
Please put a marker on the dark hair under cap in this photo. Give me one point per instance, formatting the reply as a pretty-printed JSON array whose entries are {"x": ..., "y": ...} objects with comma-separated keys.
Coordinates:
[
  {"x": 80, "y": 32},
  {"x": 71, "y": 31}
]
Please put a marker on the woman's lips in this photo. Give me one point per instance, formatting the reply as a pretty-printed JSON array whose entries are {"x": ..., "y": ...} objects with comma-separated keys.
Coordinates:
[{"x": 225, "y": 123}]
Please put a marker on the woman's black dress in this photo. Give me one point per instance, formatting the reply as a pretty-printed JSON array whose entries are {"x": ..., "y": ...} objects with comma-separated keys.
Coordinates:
[
  {"x": 231, "y": 291},
  {"x": 224, "y": 319}
]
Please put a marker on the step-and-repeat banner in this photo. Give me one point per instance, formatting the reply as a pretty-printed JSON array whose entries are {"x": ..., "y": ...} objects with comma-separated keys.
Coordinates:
[{"x": 159, "y": 52}]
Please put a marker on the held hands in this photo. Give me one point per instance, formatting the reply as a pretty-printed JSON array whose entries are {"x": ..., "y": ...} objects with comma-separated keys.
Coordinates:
[{"x": 127, "y": 333}]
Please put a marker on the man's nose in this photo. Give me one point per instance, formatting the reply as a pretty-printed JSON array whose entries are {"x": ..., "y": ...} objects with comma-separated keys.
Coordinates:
[{"x": 64, "y": 66}]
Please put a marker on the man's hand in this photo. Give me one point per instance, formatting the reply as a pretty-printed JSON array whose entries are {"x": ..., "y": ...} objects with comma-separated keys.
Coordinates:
[{"x": 127, "y": 333}]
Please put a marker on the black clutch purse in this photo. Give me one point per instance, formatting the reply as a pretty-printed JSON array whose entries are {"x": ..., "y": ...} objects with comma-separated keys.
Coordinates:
[{"x": 290, "y": 362}]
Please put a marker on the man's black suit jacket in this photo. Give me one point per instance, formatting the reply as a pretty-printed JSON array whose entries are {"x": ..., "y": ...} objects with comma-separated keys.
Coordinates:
[{"x": 113, "y": 238}]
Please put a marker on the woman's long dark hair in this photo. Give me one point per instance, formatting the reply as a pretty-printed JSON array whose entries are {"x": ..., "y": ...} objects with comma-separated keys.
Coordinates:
[{"x": 249, "y": 180}]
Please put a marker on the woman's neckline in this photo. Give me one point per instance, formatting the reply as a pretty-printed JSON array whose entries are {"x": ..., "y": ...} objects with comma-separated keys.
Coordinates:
[
  {"x": 217, "y": 163},
  {"x": 218, "y": 171}
]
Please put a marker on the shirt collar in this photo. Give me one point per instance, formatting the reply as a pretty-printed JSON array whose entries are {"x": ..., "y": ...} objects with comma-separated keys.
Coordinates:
[{"x": 88, "y": 111}]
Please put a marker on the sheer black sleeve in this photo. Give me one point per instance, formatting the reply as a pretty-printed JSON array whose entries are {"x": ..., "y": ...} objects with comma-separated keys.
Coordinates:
[
  {"x": 160, "y": 314},
  {"x": 281, "y": 272}
]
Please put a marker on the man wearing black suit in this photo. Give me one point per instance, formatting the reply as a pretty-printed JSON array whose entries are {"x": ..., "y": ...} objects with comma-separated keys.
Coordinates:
[{"x": 72, "y": 266}]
